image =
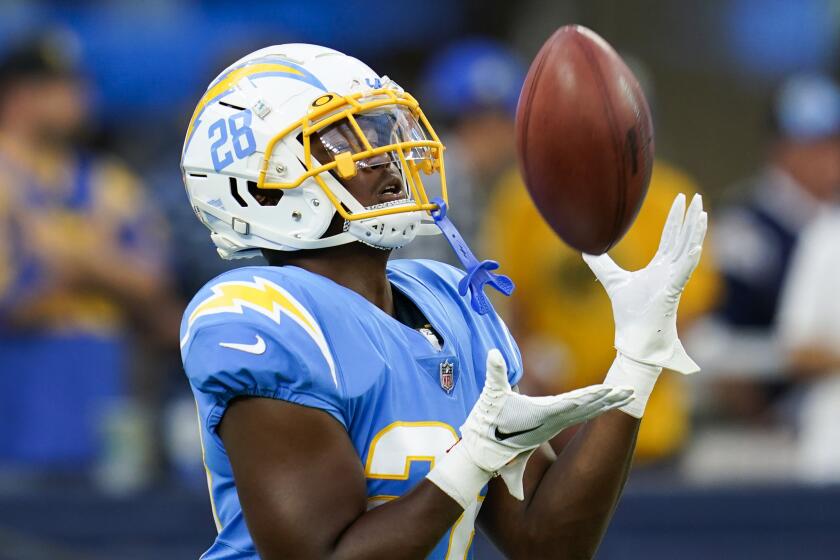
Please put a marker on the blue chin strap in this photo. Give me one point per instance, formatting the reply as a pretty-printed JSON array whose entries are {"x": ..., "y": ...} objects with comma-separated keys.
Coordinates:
[{"x": 478, "y": 273}]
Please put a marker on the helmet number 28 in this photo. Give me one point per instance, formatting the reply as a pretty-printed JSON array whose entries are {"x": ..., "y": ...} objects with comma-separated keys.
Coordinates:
[{"x": 237, "y": 129}]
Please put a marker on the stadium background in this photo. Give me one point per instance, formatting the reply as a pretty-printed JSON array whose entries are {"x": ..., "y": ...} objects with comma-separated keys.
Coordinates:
[{"x": 98, "y": 450}]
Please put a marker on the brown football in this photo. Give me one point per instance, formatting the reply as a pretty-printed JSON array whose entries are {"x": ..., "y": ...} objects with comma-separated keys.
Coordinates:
[{"x": 584, "y": 137}]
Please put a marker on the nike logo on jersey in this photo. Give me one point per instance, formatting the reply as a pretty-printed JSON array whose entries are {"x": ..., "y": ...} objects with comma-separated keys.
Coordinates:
[
  {"x": 501, "y": 436},
  {"x": 257, "y": 348}
]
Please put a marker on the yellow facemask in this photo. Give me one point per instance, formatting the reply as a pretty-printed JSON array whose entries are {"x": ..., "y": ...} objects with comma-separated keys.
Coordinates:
[{"x": 408, "y": 140}]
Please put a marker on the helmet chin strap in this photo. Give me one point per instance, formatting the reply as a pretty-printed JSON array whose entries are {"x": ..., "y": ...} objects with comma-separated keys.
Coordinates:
[{"x": 478, "y": 273}]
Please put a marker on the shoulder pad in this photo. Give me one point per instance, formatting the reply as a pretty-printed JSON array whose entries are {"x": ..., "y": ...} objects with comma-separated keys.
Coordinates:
[{"x": 244, "y": 334}]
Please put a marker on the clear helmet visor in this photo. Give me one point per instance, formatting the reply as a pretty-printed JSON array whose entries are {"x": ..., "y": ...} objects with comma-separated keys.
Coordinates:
[{"x": 389, "y": 133}]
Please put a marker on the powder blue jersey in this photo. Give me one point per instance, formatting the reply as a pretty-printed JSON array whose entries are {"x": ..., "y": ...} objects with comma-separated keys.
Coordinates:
[{"x": 285, "y": 333}]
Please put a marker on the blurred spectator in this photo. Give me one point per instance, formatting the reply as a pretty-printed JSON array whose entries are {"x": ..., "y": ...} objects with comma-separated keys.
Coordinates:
[
  {"x": 809, "y": 332},
  {"x": 561, "y": 316},
  {"x": 755, "y": 238},
  {"x": 81, "y": 271},
  {"x": 470, "y": 91}
]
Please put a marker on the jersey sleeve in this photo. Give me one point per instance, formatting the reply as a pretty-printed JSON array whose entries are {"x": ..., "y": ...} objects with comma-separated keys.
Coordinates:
[{"x": 235, "y": 358}]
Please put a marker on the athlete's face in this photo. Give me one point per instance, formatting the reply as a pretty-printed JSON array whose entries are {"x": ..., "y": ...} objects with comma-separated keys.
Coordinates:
[{"x": 377, "y": 179}]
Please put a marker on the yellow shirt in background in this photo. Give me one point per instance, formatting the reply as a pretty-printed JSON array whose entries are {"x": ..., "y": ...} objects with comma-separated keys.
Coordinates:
[
  {"x": 102, "y": 203},
  {"x": 561, "y": 315}
]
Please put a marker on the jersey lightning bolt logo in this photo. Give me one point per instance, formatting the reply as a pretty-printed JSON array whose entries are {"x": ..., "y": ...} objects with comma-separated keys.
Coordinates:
[{"x": 266, "y": 298}]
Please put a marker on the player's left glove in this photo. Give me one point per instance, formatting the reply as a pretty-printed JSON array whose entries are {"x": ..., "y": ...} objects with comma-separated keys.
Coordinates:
[
  {"x": 645, "y": 303},
  {"x": 504, "y": 428}
]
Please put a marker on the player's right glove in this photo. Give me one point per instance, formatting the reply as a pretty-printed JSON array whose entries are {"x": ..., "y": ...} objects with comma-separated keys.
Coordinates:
[{"x": 504, "y": 428}]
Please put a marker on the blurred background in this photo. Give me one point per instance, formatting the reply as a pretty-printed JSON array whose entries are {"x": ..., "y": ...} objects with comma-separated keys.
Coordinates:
[{"x": 99, "y": 253}]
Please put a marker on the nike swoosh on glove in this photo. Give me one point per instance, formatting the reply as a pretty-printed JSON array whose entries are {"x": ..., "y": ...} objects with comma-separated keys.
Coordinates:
[{"x": 522, "y": 423}]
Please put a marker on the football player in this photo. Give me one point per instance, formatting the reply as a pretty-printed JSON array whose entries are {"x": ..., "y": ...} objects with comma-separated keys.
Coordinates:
[{"x": 352, "y": 407}]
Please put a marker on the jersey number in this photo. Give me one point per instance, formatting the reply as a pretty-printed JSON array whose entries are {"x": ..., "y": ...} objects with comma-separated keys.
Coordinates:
[
  {"x": 391, "y": 454},
  {"x": 241, "y": 137}
]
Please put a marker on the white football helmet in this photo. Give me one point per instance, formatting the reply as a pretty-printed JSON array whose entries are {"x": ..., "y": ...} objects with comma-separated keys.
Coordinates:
[{"x": 254, "y": 128}]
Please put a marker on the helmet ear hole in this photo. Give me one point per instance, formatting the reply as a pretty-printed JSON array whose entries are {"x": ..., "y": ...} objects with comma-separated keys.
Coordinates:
[{"x": 264, "y": 197}]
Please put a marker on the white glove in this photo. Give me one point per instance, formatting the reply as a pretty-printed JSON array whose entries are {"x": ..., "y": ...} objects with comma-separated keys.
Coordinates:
[
  {"x": 645, "y": 301},
  {"x": 504, "y": 428}
]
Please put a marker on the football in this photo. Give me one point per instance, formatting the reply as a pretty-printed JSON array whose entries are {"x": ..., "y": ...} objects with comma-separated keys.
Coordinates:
[{"x": 584, "y": 138}]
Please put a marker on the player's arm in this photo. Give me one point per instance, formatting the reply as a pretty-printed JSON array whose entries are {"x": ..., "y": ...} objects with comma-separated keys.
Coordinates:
[
  {"x": 302, "y": 487},
  {"x": 569, "y": 499}
]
